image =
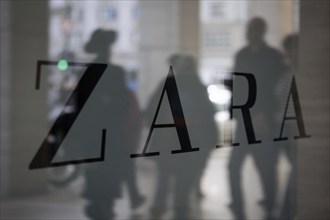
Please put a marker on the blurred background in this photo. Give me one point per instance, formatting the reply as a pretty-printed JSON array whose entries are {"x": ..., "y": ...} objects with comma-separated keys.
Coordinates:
[{"x": 149, "y": 33}]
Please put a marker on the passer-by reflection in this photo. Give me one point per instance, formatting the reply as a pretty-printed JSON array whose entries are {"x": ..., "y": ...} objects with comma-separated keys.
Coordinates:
[
  {"x": 290, "y": 45},
  {"x": 182, "y": 171},
  {"x": 266, "y": 64},
  {"x": 116, "y": 109}
]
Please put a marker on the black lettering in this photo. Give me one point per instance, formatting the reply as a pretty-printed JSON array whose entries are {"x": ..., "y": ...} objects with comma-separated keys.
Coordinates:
[
  {"x": 297, "y": 108},
  {"x": 252, "y": 95},
  {"x": 86, "y": 85},
  {"x": 179, "y": 121}
]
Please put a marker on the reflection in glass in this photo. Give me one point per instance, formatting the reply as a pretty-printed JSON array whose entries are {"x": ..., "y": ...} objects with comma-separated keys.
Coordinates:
[{"x": 139, "y": 41}]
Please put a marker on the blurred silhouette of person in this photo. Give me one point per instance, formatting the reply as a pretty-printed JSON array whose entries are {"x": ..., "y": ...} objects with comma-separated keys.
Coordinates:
[
  {"x": 184, "y": 170},
  {"x": 113, "y": 103},
  {"x": 133, "y": 128},
  {"x": 290, "y": 46},
  {"x": 266, "y": 64}
]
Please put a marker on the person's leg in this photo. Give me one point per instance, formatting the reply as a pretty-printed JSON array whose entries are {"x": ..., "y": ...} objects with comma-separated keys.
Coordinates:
[
  {"x": 99, "y": 209},
  {"x": 265, "y": 158},
  {"x": 162, "y": 191},
  {"x": 234, "y": 167},
  {"x": 100, "y": 192},
  {"x": 183, "y": 185},
  {"x": 287, "y": 210},
  {"x": 202, "y": 160},
  {"x": 131, "y": 180}
]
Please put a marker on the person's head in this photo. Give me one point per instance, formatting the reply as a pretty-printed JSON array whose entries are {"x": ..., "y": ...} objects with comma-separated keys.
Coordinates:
[
  {"x": 183, "y": 64},
  {"x": 100, "y": 42},
  {"x": 256, "y": 30},
  {"x": 290, "y": 45}
]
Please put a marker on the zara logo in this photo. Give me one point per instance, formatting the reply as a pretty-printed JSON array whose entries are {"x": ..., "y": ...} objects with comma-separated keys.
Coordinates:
[{"x": 94, "y": 72}]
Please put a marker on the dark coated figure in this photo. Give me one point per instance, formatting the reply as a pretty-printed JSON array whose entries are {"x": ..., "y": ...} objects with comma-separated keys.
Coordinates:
[
  {"x": 183, "y": 170},
  {"x": 266, "y": 64},
  {"x": 112, "y": 109},
  {"x": 290, "y": 45}
]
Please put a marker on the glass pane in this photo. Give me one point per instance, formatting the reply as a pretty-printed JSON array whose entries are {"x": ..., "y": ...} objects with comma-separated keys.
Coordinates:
[{"x": 151, "y": 109}]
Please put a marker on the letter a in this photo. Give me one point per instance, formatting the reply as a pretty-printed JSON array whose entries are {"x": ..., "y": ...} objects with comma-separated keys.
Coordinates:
[
  {"x": 296, "y": 103},
  {"x": 179, "y": 121}
]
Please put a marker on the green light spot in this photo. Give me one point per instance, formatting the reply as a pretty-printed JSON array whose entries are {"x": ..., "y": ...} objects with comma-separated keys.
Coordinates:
[{"x": 62, "y": 65}]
